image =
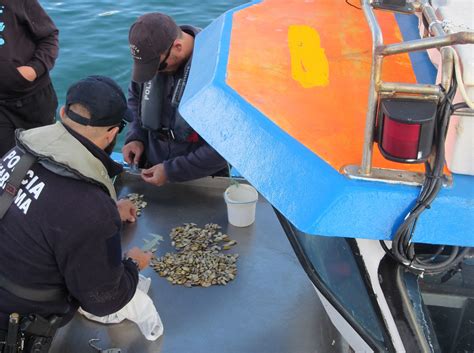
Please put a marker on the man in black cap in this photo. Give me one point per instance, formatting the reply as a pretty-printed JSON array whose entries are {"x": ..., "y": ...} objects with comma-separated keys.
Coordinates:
[
  {"x": 28, "y": 50},
  {"x": 59, "y": 222},
  {"x": 159, "y": 138}
]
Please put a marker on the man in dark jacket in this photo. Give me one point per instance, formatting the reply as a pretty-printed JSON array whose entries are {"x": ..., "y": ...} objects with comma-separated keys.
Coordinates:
[
  {"x": 159, "y": 138},
  {"x": 61, "y": 232},
  {"x": 28, "y": 50}
]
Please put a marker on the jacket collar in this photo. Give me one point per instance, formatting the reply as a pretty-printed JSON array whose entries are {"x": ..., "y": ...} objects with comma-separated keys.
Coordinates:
[{"x": 113, "y": 168}]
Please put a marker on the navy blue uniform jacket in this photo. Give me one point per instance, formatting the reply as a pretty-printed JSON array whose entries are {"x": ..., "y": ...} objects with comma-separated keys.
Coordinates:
[
  {"x": 182, "y": 161},
  {"x": 65, "y": 233}
]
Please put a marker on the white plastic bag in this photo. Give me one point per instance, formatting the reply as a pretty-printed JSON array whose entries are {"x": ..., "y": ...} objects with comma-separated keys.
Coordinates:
[{"x": 140, "y": 310}]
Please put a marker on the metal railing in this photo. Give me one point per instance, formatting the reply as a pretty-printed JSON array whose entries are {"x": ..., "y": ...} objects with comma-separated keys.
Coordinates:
[{"x": 438, "y": 39}]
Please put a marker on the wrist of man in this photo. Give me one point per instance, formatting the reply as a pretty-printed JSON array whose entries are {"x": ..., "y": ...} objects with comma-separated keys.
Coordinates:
[
  {"x": 37, "y": 66},
  {"x": 133, "y": 137}
]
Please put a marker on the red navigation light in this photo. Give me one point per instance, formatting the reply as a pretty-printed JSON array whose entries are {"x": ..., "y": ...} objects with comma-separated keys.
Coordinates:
[
  {"x": 405, "y": 129},
  {"x": 400, "y": 140}
]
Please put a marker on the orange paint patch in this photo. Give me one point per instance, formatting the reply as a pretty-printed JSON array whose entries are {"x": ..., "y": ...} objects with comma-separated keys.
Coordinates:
[{"x": 328, "y": 119}]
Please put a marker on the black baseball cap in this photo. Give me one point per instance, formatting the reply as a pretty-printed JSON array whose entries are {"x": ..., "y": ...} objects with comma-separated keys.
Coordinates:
[
  {"x": 104, "y": 100},
  {"x": 150, "y": 36}
]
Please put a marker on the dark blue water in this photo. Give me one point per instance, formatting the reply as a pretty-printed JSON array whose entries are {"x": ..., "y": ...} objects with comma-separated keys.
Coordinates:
[{"x": 94, "y": 34}]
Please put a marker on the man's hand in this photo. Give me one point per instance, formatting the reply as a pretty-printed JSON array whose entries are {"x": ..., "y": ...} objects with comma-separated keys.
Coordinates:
[
  {"x": 132, "y": 152},
  {"x": 127, "y": 210},
  {"x": 143, "y": 258},
  {"x": 155, "y": 175},
  {"x": 27, "y": 72}
]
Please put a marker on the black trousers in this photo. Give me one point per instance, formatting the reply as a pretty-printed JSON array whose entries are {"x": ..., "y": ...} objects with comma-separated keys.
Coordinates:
[
  {"x": 36, "y": 110},
  {"x": 3, "y": 337}
]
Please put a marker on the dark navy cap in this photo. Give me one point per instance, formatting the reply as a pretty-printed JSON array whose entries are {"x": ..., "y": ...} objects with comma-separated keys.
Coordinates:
[
  {"x": 150, "y": 36},
  {"x": 104, "y": 100}
]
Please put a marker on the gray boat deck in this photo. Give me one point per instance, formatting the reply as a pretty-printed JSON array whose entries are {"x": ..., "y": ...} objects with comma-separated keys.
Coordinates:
[{"x": 271, "y": 306}]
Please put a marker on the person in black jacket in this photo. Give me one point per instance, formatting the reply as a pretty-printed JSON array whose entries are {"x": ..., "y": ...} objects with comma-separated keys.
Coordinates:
[
  {"x": 62, "y": 231},
  {"x": 28, "y": 50},
  {"x": 159, "y": 138}
]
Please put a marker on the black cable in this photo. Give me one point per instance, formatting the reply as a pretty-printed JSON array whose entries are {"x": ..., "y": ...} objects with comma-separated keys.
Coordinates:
[
  {"x": 357, "y": 7},
  {"x": 433, "y": 257},
  {"x": 458, "y": 106},
  {"x": 403, "y": 250}
]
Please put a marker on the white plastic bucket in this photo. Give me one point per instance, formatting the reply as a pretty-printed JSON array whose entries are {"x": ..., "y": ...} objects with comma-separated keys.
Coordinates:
[{"x": 241, "y": 202}]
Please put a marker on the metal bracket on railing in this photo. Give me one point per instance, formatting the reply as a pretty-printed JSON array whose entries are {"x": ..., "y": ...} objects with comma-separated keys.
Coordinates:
[{"x": 392, "y": 176}]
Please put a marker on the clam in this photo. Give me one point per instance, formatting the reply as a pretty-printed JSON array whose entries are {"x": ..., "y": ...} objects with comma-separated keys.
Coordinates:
[{"x": 198, "y": 260}]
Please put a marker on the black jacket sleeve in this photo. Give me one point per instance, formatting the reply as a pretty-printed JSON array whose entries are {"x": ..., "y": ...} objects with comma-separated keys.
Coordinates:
[
  {"x": 202, "y": 162},
  {"x": 45, "y": 34},
  {"x": 92, "y": 265}
]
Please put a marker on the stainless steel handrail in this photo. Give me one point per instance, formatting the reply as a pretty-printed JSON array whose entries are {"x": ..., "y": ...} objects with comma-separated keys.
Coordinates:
[
  {"x": 375, "y": 75},
  {"x": 447, "y": 59},
  {"x": 400, "y": 87},
  {"x": 379, "y": 51},
  {"x": 426, "y": 43}
]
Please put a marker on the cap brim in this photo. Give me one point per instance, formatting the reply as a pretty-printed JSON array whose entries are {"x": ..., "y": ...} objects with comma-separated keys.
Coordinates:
[{"x": 143, "y": 72}]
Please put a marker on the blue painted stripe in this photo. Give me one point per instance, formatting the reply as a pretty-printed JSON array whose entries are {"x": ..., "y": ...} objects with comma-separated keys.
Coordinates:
[{"x": 425, "y": 71}]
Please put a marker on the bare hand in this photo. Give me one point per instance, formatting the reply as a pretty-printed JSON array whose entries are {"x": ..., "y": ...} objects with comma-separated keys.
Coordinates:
[
  {"x": 127, "y": 210},
  {"x": 132, "y": 152},
  {"x": 155, "y": 175},
  {"x": 27, "y": 72},
  {"x": 143, "y": 258}
]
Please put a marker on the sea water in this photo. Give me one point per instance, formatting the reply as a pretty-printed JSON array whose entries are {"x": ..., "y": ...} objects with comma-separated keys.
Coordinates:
[{"x": 93, "y": 34}]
